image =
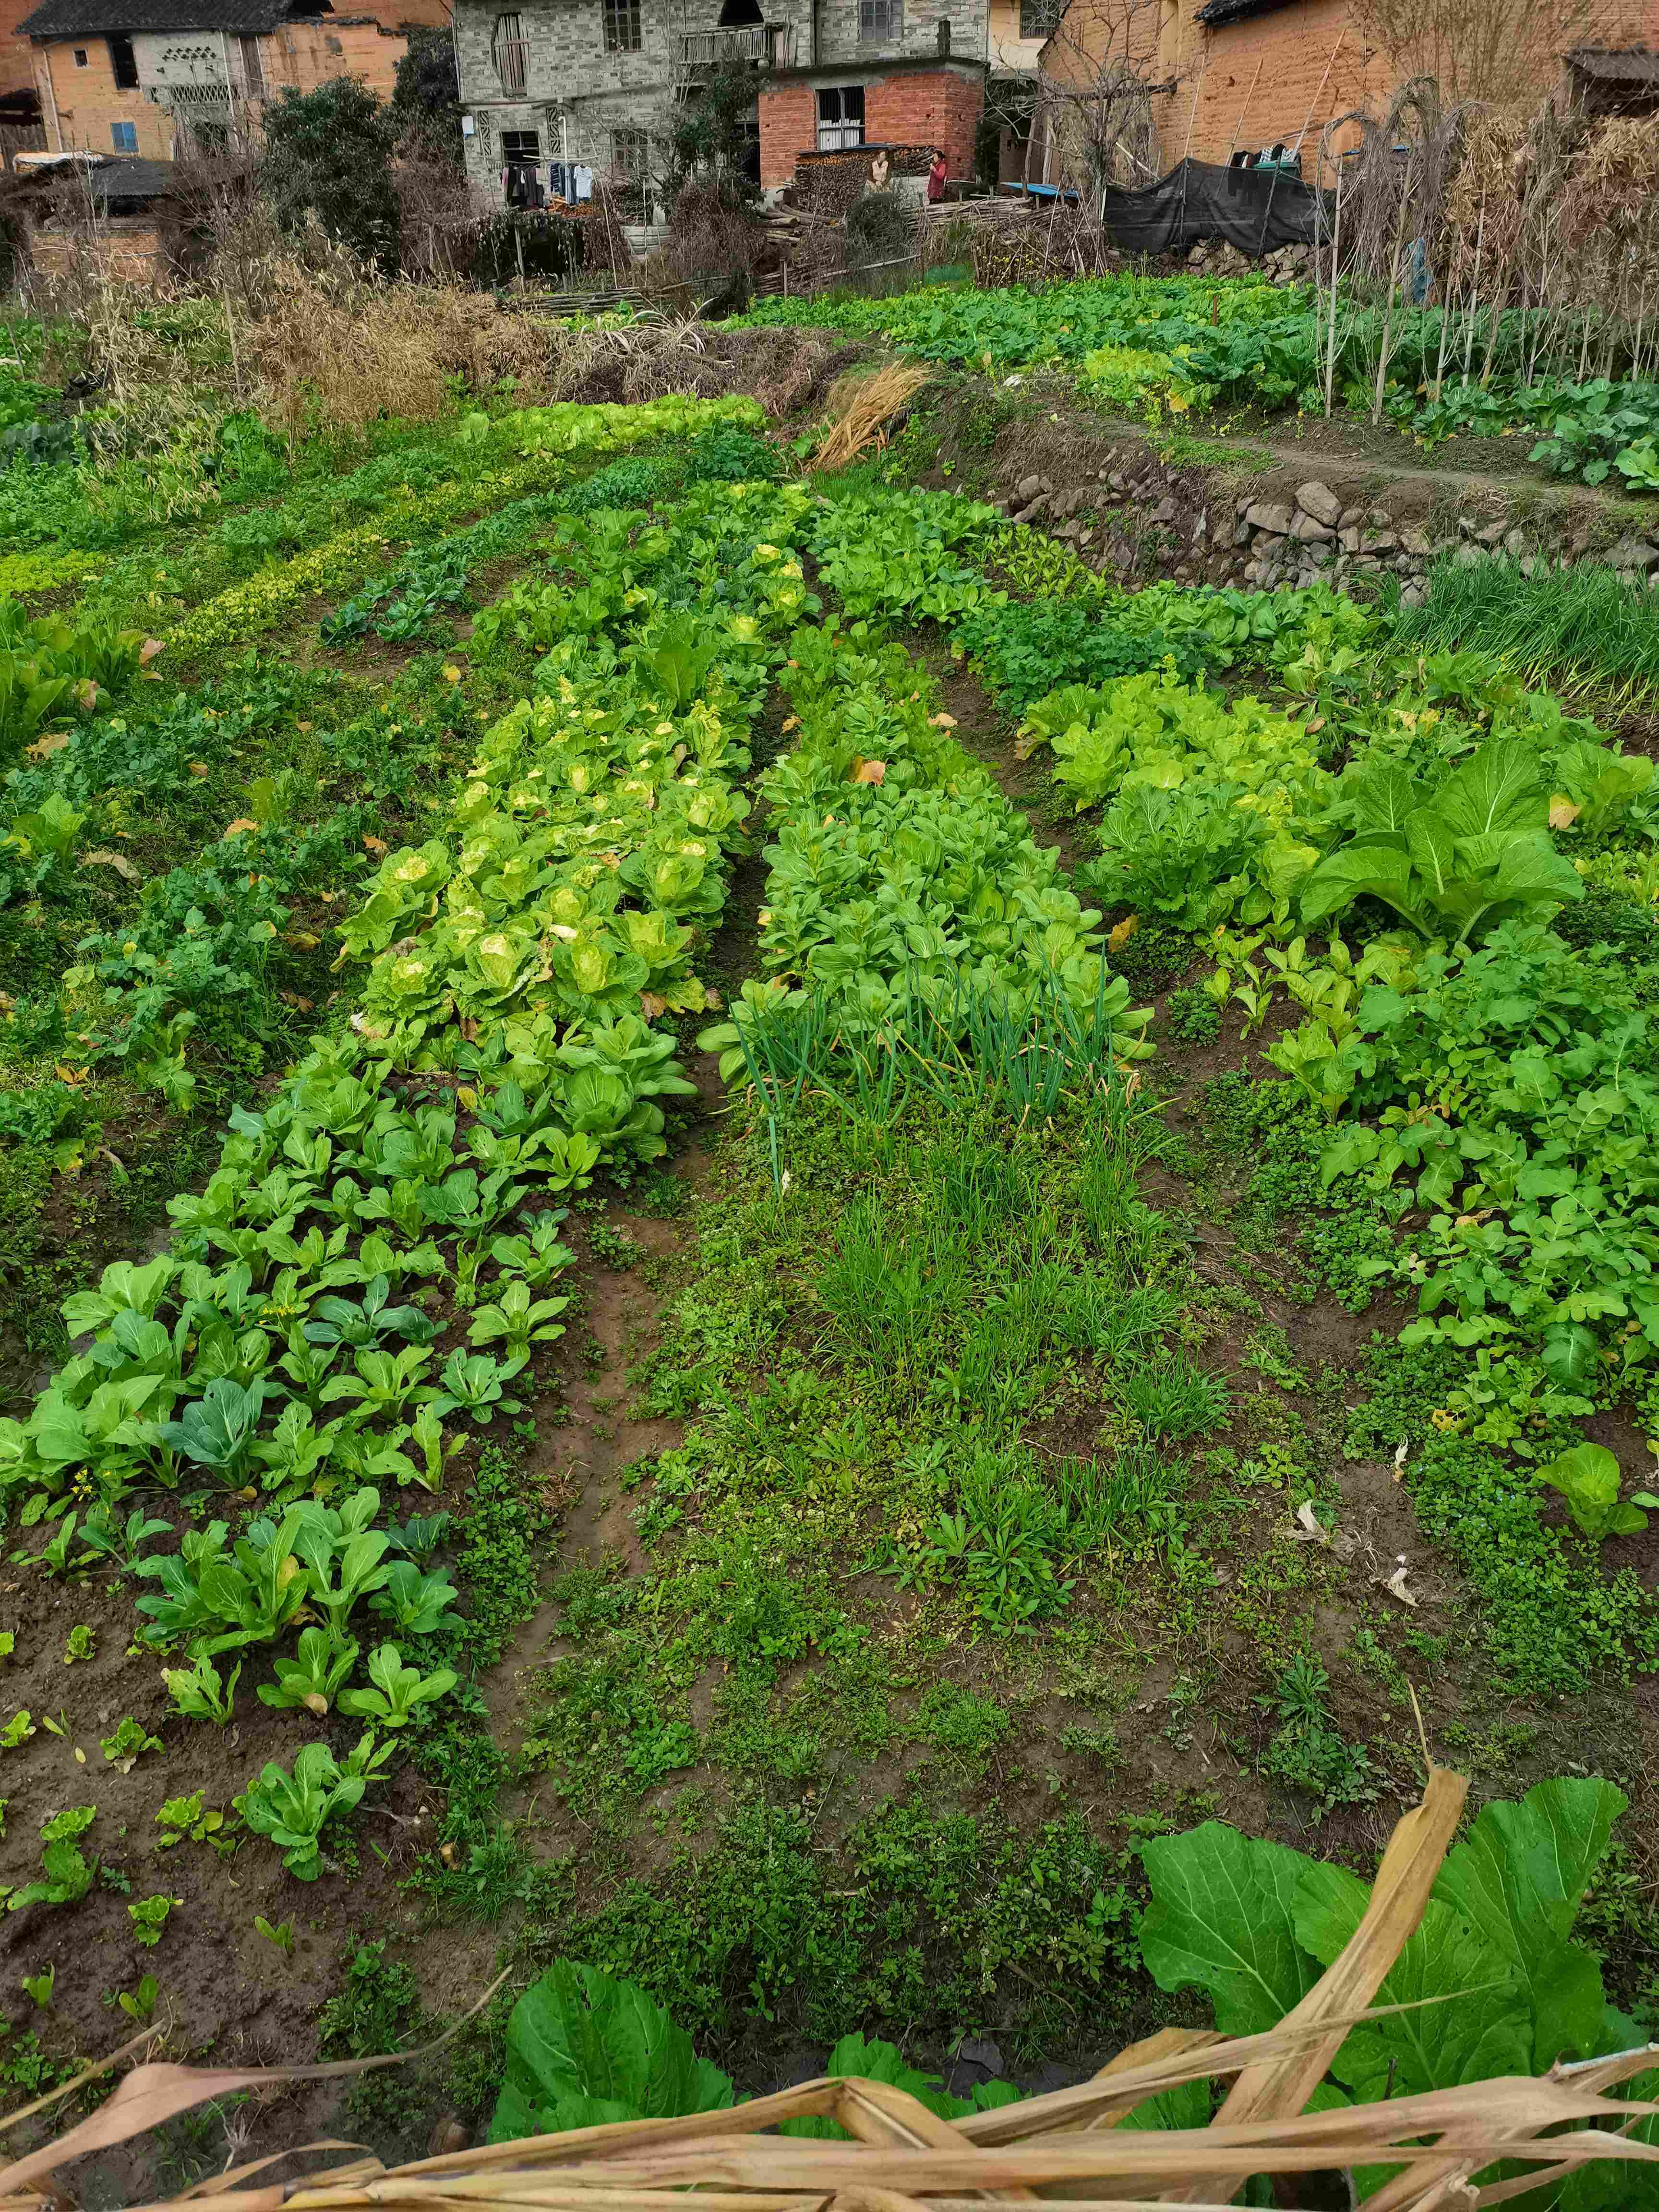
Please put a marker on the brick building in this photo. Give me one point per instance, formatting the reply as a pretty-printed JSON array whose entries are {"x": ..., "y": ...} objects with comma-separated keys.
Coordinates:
[
  {"x": 1245, "y": 76},
  {"x": 17, "y": 60},
  {"x": 154, "y": 77},
  {"x": 556, "y": 93}
]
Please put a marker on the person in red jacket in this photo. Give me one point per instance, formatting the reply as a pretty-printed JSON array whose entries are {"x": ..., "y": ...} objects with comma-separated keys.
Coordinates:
[{"x": 936, "y": 176}]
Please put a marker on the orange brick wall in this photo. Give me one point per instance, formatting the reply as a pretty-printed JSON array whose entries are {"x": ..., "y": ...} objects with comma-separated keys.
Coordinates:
[
  {"x": 88, "y": 101},
  {"x": 16, "y": 58},
  {"x": 303, "y": 55},
  {"x": 789, "y": 127},
  {"x": 1251, "y": 83},
  {"x": 910, "y": 108},
  {"x": 926, "y": 107},
  {"x": 129, "y": 250},
  {"x": 1289, "y": 72}
]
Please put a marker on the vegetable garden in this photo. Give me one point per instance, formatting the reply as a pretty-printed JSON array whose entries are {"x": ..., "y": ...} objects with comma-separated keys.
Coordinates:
[
  {"x": 1171, "y": 349},
  {"x": 769, "y": 1263}
]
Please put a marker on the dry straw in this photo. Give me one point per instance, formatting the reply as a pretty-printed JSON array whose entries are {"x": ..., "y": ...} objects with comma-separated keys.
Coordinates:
[
  {"x": 862, "y": 405},
  {"x": 1066, "y": 2146}
]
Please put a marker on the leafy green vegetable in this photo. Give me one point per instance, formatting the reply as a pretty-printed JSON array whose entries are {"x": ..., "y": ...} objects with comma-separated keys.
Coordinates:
[{"x": 582, "y": 2049}]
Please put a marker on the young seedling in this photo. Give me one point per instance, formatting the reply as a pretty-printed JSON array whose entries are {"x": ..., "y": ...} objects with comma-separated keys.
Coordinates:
[
  {"x": 67, "y": 1877},
  {"x": 293, "y": 1810},
  {"x": 282, "y": 1935},
  {"x": 314, "y": 1677},
  {"x": 398, "y": 1690},
  {"x": 81, "y": 1644},
  {"x": 150, "y": 1916},
  {"x": 188, "y": 1820},
  {"x": 18, "y": 1730},
  {"x": 199, "y": 1694},
  {"x": 139, "y": 2004},
  {"x": 128, "y": 1744},
  {"x": 38, "y": 1987},
  {"x": 414, "y": 1602}
]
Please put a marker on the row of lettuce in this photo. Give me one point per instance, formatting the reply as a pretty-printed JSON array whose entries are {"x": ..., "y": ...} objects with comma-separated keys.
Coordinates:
[{"x": 372, "y": 1272}]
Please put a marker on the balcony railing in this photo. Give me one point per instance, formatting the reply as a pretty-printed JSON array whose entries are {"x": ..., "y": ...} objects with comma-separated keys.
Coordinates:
[{"x": 765, "y": 46}]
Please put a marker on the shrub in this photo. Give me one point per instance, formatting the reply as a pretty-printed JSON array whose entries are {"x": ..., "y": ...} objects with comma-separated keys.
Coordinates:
[
  {"x": 878, "y": 228},
  {"x": 328, "y": 157}
]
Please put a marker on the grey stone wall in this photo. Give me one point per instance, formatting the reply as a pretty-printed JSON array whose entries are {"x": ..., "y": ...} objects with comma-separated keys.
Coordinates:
[
  {"x": 568, "y": 73},
  {"x": 840, "y": 44},
  {"x": 568, "y": 70}
]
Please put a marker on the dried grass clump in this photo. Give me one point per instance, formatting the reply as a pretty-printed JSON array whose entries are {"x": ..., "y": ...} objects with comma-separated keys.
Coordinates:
[
  {"x": 324, "y": 341},
  {"x": 1066, "y": 2146},
  {"x": 862, "y": 405},
  {"x": 786, "y": 370}
]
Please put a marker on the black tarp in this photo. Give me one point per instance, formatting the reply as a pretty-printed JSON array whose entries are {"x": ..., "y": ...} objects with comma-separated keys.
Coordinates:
[{"x": 1254, "y": 209}]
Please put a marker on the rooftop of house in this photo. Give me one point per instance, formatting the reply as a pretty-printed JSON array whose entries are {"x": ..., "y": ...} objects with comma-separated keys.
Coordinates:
[
  {"x": 106, "y": 178},
  {"x": 1216, "y": 13},
  {"x": 1620, "y": 65},
  {"x": 69, "y": 19}
]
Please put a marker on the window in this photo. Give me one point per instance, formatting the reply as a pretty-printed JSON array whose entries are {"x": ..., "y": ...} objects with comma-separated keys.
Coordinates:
[
  {"x": 122, "y": 62},
  {"x": 508, "y": 48},
  {"x": 1037, "y": 18},
  {"x": 124, "y": 136},
  {"x": 80, "y": 57},
  {"x": 881, "y": 19},
  {"x": 520, "y": 148},
  {"x": 621, "y": 27},
  {"x": 630, "y": 155},
  {"x": 841, "y": 117}
]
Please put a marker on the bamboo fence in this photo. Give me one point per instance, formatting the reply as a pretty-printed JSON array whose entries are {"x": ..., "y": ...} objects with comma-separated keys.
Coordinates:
[{"x": 1066, "y": 2146}]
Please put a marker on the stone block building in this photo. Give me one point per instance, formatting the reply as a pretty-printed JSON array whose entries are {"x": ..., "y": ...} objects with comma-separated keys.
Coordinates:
[
  {"x": 156, "y": 77},
  {"x": 557, "y": 94}
]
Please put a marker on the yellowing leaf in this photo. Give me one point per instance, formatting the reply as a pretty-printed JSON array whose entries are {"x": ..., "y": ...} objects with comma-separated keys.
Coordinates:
[
  {"x": 865, "y": 771},
  {"x": 43, "y": 748},
  {"x": 242, "y": 824},
  {"x": 119, "y": 861},
  {"x": 1563, "y": 813}
]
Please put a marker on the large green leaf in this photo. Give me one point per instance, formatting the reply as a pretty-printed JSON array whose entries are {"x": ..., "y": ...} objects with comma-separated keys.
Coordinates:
[
  {"x": 1383, "y": 797},
  {"x": 1518, "y": 1879},
  {"x": 1432, "y": 846},
  {"x": 579, "y": 2040},
  {"x": 1223, "y": 1918},
  {"x": 1496, "y": 789},
  {"x": 1483, "y": 2029},
  {"x": 1532, "y": 869},
  {"x": 870, "y": 2059},
  {"x": 1384, "y": 871}
]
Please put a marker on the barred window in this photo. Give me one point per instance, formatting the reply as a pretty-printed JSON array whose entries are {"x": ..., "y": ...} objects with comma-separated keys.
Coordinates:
[
  {"x": 841, "y": 117},
  {"x": 881, "y": 19},
  {"x": 508, "y": 47},
  {"x": 1037, "y": 18},
  {"x": 630, "y": 153},
  {"x": 621, "y": 27}
]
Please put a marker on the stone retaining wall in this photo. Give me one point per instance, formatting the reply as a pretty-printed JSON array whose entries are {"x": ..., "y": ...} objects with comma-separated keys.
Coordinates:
[{"x": 1141, "y": 519}]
